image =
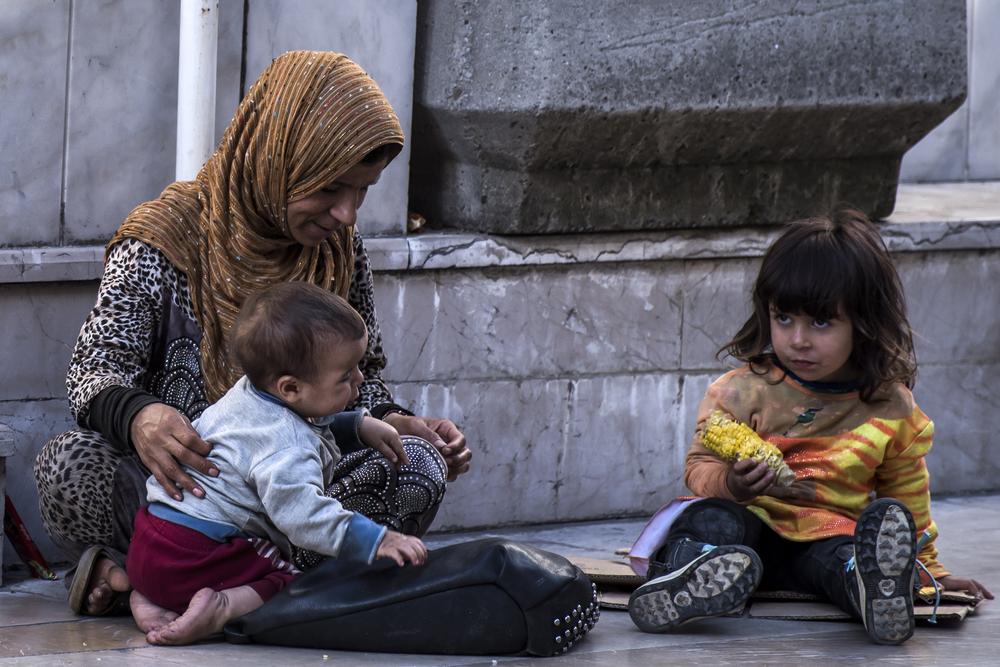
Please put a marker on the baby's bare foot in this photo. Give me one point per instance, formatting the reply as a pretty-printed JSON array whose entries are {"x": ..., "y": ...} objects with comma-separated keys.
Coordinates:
[
  {"x": 149, "y": 616},
  {"x": 206, "y": 615},
  {"x": 107, "y": 580}
]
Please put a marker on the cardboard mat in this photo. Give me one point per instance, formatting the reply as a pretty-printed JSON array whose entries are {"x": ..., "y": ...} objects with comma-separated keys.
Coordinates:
[{"x": 615, "y": 581}]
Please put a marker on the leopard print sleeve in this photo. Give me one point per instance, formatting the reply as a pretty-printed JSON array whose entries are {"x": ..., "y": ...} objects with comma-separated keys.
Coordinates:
[
  {"x": 114, "y": 345},
  {"x": 362, "y": 297}
]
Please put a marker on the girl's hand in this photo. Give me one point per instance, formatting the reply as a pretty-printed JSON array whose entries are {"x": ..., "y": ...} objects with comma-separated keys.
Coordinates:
[
  {"x": 443, "y": 434},
  {"x": 384, "y": 438},
  {"x": 164, "y": 440},
  {"x": 970, "y": 586},
  {"x": 402, "y": 548},
  {"x": 748, "y": 479}
]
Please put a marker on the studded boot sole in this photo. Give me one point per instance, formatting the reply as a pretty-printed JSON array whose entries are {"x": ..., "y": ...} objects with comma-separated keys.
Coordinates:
[
  {"x": 716, "y": 583},
  {"x": 884, "y": 552}
]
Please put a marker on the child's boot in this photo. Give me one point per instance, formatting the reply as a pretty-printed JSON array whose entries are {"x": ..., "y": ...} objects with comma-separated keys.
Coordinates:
[
  {"x": 716, "y": 582},
  {"x": 881, "y": 583}
]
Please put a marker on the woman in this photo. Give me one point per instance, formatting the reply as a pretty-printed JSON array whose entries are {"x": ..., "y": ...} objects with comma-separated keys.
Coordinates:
[{"x": 276, "y": 202}]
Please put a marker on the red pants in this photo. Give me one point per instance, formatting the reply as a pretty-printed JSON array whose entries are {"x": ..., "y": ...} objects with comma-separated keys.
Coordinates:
[{"x": 169, "y": 563}]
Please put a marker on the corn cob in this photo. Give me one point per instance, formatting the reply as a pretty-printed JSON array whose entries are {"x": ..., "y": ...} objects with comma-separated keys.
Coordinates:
[{"x": 734, "y": 441}]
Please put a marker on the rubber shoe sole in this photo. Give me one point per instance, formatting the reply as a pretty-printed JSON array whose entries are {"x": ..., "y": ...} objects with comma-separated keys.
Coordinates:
[
  {"x": 885, "y": 554},
  {"x": 716, "y": 583}
]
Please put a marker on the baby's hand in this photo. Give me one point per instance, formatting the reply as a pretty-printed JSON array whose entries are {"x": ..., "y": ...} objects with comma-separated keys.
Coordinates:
[
  {"x": 380, "y": 436},
  {"x": 402, "y": 548},
  {"x": 748, "y": 479}
]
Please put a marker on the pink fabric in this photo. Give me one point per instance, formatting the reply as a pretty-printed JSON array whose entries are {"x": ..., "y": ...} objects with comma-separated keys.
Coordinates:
[{"x": 169, "y": 563}]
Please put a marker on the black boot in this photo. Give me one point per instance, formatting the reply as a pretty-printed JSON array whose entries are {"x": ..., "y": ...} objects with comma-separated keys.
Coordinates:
[
  {"x": 880, "y": 578},
  {"x": 717, "y": 582}
]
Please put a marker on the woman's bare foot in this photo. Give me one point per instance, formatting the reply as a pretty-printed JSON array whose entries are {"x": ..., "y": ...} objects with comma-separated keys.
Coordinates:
[
  {"x": 107, "y": 580},
  {"x": 147, "y": 615},
  {"x": 206, "y": 615}
]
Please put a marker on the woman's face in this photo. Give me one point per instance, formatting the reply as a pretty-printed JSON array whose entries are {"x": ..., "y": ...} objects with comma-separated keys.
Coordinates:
[{"x": 316, "y": 217}]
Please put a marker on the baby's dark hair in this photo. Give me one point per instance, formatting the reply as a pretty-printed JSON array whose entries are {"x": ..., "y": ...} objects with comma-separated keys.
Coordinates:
[
  {"x": 819, "y": 265},
  {"x": 281, "y": 330}
]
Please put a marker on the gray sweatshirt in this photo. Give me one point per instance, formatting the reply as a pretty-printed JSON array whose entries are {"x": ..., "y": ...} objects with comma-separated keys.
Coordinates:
[{"x": 274, "y": 467}]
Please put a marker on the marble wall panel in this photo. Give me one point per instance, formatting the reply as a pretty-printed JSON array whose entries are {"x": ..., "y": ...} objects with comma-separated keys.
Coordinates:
[
  {"x": 716, "y": 304},
  {"x": 40, "y": 324},
  {"x": 122, "y": 112},
  {"x": 541, "y": 323},
  {"x": 229, "y": 63},
  {"x": 622, "y": 451},
  {"x": 377, "y": 34},
  {"x": 943, "y": 154},
  {"x": 33, "y": 423},
  {"x": 34, "y": 38},
  {"x": 984, "y": 91},
  {"x": 952, "y": 299},
  {"x": 515, "y": 430},
  {"x": 962, "y": 400},
  {"x": 559, "y": 450}
]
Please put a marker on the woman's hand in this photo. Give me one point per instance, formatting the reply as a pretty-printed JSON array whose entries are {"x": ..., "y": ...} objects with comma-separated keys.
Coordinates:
[
  {"x": 380, "y": 436},
  {"x": 748, "y": 479},
  {"x": 442, "y": 433},
  {"x": 970, "y": 586},
  {"x": 164, "y": 440}
]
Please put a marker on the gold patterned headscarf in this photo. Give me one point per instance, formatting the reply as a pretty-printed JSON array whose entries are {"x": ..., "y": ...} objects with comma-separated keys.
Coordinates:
[{"x": 310, "y": 117}]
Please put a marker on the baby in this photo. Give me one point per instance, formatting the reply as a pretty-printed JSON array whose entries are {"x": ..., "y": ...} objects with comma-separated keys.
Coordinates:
[{"x": 196, "y": 563}]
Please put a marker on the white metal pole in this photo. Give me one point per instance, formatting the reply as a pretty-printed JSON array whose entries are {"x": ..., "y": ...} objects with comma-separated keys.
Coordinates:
[{"x": 199, "y": 37}]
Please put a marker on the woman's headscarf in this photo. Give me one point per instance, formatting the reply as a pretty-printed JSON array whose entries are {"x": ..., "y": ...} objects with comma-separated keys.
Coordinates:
[{"x": 310, "y": 117}]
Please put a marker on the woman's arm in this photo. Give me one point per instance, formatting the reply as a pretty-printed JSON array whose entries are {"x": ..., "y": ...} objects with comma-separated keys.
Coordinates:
[
  {"x": 114, "y": 344},
  {"x": 111, "y": 357}
]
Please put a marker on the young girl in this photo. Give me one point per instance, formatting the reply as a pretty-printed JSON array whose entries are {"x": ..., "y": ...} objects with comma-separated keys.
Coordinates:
[{"x": 829, "y": 365}]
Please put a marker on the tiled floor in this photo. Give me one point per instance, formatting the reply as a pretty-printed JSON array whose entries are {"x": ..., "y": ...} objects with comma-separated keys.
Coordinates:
[{"x": 37, "y": 629}]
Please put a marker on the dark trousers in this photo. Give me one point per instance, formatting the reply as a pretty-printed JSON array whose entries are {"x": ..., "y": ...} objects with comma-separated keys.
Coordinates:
[{"x": 817, "y": 567}]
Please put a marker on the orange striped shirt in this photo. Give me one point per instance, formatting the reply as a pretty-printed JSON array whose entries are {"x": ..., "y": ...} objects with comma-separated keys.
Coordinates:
[{"x": 844, "y": 452}]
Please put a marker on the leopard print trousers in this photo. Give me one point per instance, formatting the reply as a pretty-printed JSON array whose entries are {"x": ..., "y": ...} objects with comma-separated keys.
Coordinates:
[{"x": 89, "y": 492}]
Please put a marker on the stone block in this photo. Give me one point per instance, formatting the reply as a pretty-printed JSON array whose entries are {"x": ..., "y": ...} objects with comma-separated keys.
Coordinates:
[
  {"x": 961, "y": 399},
  {"x": 561, "y": 449},
  {"x": 34, "y": 38},
  {"x": 533, "y": 118},
  {"x": 511, "y": 323},
  {"x": 380, "y": 37},
  {"x": 41, "y": 323}
]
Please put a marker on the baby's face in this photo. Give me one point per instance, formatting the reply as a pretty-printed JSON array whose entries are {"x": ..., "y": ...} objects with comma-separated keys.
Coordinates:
[{"x": 337, "y": 382}]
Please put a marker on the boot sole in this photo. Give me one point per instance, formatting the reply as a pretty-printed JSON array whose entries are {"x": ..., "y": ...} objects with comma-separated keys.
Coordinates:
[
  {"x": 715, "y": 583},
  {"x": 885, "y": 549}
]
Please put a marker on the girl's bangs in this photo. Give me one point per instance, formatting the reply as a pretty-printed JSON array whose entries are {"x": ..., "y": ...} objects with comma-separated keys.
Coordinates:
[{"x": 810, "y": 281}]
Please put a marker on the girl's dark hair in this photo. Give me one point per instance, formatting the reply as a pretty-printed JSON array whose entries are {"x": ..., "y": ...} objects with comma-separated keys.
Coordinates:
[
  {"x": 282, "y": 330},
  {"x": 819, "y": 265}
]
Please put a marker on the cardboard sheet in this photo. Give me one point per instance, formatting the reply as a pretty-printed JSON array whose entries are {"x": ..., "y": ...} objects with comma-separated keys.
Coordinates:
[{"x": 615, "y": 582}]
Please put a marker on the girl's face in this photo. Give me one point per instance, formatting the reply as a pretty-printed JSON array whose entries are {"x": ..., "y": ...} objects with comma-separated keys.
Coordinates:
[
  {"x": 316, "y": 217},
  {"x": 815, "y": 350}
]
